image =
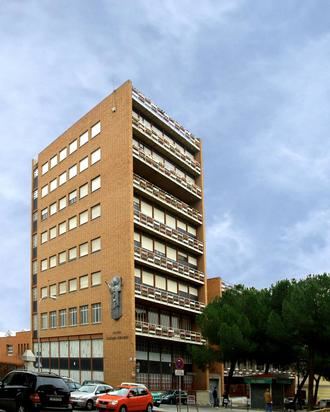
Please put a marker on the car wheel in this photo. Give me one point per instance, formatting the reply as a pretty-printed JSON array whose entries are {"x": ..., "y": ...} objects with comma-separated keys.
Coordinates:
[
  {"x": 89, "y": 405},
  {"x": 149, "y": 408},
  {"x": 122, "y": 409}
]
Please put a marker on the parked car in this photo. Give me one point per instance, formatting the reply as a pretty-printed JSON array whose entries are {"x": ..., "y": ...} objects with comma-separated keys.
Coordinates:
[
  {"x": 22, "y": 390},
  {"x": 86, "y": 395},
  {"x": 157, "y": 397},
  {"x": 72, "y": 385},
  {"x": 172, "y": 397},
  {"x": 93, "y": 382},
  {"x": 126, "y": 398},
  {"x": 324, "y": 403}
]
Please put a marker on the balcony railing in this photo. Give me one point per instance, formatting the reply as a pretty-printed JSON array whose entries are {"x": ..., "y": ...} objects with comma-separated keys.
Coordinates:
[
  {"x": 168, "y": 265},
  {"x": 162, "y": 115},
  {"x": 192, "y": 188},
  {"x": 166, "y": 332},
  {"x": 168, "y": 232},
  {"x": 167, "y": 298},
  {"x": 167, "y": 145},
  {"x": 168, "y": 199}
]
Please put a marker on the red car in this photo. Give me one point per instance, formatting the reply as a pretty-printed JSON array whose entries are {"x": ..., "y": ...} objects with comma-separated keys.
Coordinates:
[{"x": 127, "y": 398}]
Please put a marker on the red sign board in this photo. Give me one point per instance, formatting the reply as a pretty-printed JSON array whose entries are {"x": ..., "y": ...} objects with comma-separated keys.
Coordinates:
[{"x": 179, "y": 363}]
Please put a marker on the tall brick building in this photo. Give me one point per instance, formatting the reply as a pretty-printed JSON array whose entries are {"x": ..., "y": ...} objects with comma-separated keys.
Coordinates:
[{"x": 118, "y": 255}]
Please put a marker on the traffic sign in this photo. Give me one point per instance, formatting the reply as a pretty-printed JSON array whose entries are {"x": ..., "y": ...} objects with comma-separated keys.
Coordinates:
[
  {"x": 179, "y": 372},
  {"x": 179, "y": 363}
]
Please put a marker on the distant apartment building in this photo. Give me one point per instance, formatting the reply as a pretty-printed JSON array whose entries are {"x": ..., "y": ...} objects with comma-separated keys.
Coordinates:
[
  {"x": 13, "y": 345},
  {"x": 117, "y": 246}
]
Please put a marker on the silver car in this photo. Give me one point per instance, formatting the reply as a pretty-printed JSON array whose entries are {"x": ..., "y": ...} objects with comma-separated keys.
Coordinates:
[{"x": 85, "y": 396}]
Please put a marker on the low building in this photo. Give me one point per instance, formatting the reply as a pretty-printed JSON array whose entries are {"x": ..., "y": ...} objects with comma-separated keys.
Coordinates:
[{"x": 12, "y": 346}]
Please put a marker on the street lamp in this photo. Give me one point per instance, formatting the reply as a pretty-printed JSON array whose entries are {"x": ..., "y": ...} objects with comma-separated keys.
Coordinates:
[{"x": 38, "y": 325}]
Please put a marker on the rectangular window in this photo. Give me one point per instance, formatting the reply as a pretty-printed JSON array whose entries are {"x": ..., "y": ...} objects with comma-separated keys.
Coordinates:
[
  {"x": 62, "y": 178},
  {"x": 52, "y": 319},
  {"x": 96, "y": 156},
  {"x": 10, "y": 350},
  {"x": 72, "y": 171},
  {"x": 72, "y": 285},
  {"x": 96, "y": 183},
  {"x": 44, "y": 292},
  {"x": 171, "y": 253},
  {"x": 96, "y": 313},
  {"x": 95, "y": 211},
  {"x": 96, "y": 129},
  {"x": 83, "y": 164},
  {"x": 44, "y": 168},
  {"x": 137, "y": 240},
  {"x": 34, "y": 240},
  {"x": 192, "y": 231},
  {"x": 72, "y": 197},
  {"x": 83, "y": 139},
  {"x": 170, "y": 221},
  {"x": 53, "y": 185},
  {"x": 83, "y": 314},
  {"x": 72, "y": 222},
  {"x": 34, "y": 294},
  {"x": 53, "y": 161},
  {"x": 159, "y": 215},
  {"x": 193, "y": 292},
  {"x": 83, "y": 217},
  {"x": 147, "y": 278},
  {"x": 192, "y": 261},
  {"x": 44, "y": 191},
  {"x": 62, "y": 314},
  {"x": 83, "y": 282},
  {"x": 44, "y": 237},
  {"x": 159, "y": 248},
  {"x": 83, "y": 191},
  {"x": 147, "y": 243},
  {"x": 52, "y": 261},
  {"x": 52, "y": 290},
  {"x": 52, "y": 233},
  {"x": 52, "y": 209},
  {"x": 73, "y": 146},
  {"x": 44, "y": 214},
  {"x": 96, "y": 244},
  {"x": 73, "y": 253},
  {"x": 44, "y": 321},
  {"x": 146, "y": 208},
  {"x": 181, "y": 226},
  {"x": 83, "y": 249},
  {"x": 62, "y": 203},
  {"x": 73, "y": 316},
  {"x": 160, "y": 282},
  {"x": 182, "y": 257},
  {"x": 96, "y": 278},
  {"x": 43, "y": 265},
  {"x": 63, "y": 154},
  {"x": 62, "y": 228},
  {"x": 172, "y": 286},
  {"x": 34, "y": 267},
  {"x": 62, "y": 257},
  {"x": 62, "y": 288}
]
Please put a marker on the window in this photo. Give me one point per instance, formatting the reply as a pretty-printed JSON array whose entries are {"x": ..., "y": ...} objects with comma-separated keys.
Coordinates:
[
  {"x": 72, "y": 222},
  {"x": 192, "y": 261},
  {"x": 137, "y": 241},
  {"x": 52, "y": 232},
  {"x": 52, "y": 319},
  {"x": 44, "y": 191},
  {"x": 96, "y": 183},
  {"x": 83, "y": 249},
  {"x": 96, "y": 129},
  {"x": 62, "y": 288},
  {"x": 181, "y": 226},
  {"x": 170, "y": 221},
  {"x": 35, "y": 267},
  {"x": 34, "y": 240},
  {"x": 72, "y": 285},
  {"x": 147, "y": 243},
  {"x": 84, "y": 314},
  {"x": 53, "y": 185},
  {"x": 96, "y": 244},
  {"x": 146, "y": 208},
  {"x": 43, "y": 265},
  {"x": 147, "y": 278},
  {"x": 44, "y": 321},
  {"x": 62, "y": 228},
  {"x": 62, "y": 178},
  {"x": 52, "y": 209},
  {"x": 160, "y": 282},
  {"x": 73, "y": 316},
  {"x": 95, "y": 211},
  {"x": 53, "y": 161},
  {"x": 52, "y": 261},
  {"x": 192, "y": 231},
  {"x": 83, "y": 217},
  {"x": 83, "y": 164},
  {"x": 159, "y": 215},
  {"x": 44, "y": 213},
  {"x": 171, "y": 253},
  {"x": 83, "y": 282},
  {"x": 44, "y": 292},
  {"x": 182, "y": 257},
  {"x": 62, "y": 257},
  {"x": 72, "y": 171},
  {"x": 44, "y": 168},
  {"x": 62, "y": 317},
  {"x": 83, "y": 139},
  {"x": 73, "y": 146},
  {"x": 73, "y": 253},
  {"x": 10, "y": 350},
  {"x": 193, "y": 292},
  {"x": 63, "y": 154},
  {"x": 96, "y": 313},
  {"x": 172, "y": 286},
  {"x": 44, "y": 237},
  {"x": 96, "y": 156},
  {"x": 72, "y": 197},
  {"x": 34, "y": 294},
  {"x": 62, "y": 203},
  {"x": 96, "y": 278},
  {"x": 83, "y": 191},
  {"x": 159, "y": 248}
]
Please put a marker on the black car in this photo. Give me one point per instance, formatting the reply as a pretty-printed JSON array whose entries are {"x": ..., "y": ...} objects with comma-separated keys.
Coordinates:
[
  {"x": 172, "y": 397},
  {"x": 22, "y": 391}
]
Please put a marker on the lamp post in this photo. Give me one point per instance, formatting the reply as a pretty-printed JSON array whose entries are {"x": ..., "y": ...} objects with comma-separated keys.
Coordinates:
[{"x": 38, "y": 326}]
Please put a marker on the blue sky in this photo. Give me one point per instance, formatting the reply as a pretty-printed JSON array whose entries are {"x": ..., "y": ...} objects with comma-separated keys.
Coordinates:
[{"x": 251, "y": 78}]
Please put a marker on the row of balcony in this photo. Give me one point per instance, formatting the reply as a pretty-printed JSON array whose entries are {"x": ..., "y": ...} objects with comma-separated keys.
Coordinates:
[
  {"x": 164, "y": 230},
  {"x": 166, "y": 298},
  {"x": 162, "y": 115},
  {"x": 168, "y": 265},
  {"x": 166, "y": 198},
  {"x": 192, "y": 188},
  {"x": 166, "y": 332},
  {"x": 193, "y": 164}
]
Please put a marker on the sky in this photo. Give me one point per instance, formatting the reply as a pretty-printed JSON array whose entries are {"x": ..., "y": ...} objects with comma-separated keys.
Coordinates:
[{"x": 250, "y": 78}]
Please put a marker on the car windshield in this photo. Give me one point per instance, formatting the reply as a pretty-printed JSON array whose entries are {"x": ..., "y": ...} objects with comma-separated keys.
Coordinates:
[
  {"x": 87, "y": 388},
  {"x": 168, "y": 392},
  {"x": 119, "y": 392}
]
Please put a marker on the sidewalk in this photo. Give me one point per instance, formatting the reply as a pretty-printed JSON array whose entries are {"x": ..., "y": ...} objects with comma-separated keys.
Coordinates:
[{"x": 194, "y": 408}]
